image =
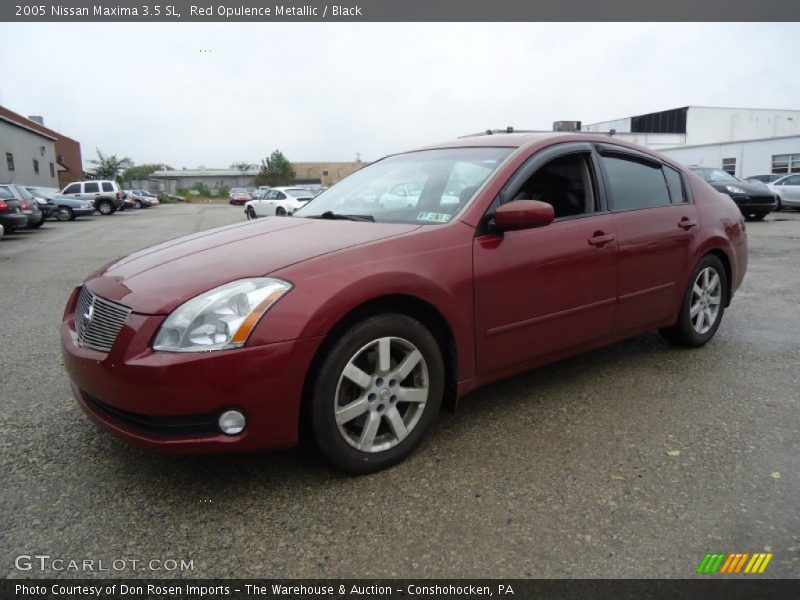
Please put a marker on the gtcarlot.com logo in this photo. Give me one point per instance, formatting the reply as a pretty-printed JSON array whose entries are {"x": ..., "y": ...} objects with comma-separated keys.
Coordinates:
[
  {"x": 734, "y": 563},
  {"x": 46, "y": 562}
]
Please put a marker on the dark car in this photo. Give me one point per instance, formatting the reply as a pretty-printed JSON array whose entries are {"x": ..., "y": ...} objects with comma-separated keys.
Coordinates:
[
  {"x": 753, "y": 198},
  {"x": 27, "y": 203},
  {"x": 44, "y": 197},
  {"x": 11, "y": 216},
  {"x": 64, "y": 207},
  {"x": 356, "y": 326}
]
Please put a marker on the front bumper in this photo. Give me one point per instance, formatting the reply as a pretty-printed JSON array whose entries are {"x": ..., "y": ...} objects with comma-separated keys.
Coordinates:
[
  {"x": 755, "y": 204},
  {"x": 153, "y": 399}
]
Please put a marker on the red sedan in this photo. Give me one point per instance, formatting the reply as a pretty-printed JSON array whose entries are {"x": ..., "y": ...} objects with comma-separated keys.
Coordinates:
[{"x": 360, "y": 321}]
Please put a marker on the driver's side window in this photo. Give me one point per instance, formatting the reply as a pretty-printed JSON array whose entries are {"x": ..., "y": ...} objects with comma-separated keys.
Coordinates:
[{"x": 565, "y": 183}]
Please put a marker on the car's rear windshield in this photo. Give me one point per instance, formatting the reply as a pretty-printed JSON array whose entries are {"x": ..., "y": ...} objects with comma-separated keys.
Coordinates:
[
  {"x": 299, "y": 193},
  {"x": 428, "y": 187}
]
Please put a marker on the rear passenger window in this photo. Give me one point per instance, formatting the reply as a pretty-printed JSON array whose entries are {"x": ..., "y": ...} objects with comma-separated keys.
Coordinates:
[
  {"x": 107, "y": 187},
  {"x": 91, "y": 188},
  {"x": 635, "y": 184},
  {"x": 675, "y": 184},
  {"x": 74, "y": 188}
]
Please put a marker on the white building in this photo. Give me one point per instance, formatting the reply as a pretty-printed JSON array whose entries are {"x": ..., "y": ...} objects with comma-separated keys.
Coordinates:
[
  {"x": 27, "y": 156},
  {"x": 743, "y": 141}
]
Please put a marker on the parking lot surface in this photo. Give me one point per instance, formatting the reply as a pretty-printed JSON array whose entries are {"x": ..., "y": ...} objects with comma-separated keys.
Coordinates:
[{"x": 630, "y": 461}]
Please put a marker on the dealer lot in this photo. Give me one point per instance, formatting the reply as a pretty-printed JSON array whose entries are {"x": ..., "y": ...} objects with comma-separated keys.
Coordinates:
[{"x": 560, "y": 472}]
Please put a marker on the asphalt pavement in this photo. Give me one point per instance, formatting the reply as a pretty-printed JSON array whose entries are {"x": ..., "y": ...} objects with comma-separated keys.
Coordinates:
[{"x": 630, "y": 461}]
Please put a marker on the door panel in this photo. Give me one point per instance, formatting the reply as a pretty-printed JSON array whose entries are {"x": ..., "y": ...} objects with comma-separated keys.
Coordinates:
[
  {"x": 541, "y": 290},
  {"x": 654, "y": 246}
]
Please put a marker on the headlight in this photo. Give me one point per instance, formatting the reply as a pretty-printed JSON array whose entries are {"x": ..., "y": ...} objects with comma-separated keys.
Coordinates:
[
  {"x": 221, "y": 318},
  {"x": 735, "y": 190}
]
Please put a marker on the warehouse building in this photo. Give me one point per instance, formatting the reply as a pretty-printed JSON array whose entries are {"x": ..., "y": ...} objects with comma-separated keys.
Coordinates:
[
  {"x": 27, "y": 156},
  {"x": 742, "y": 141}
]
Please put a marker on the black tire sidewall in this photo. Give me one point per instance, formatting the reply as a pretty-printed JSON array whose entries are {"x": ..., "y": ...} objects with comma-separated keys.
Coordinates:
[
  {"x": 684, "y": 325},
  {"x": 323, "y": 420}
]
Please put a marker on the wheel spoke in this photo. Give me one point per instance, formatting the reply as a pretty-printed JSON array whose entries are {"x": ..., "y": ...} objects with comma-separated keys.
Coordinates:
[
  {"x": 357, "y": 376},
  {"x": 370, "y": 431},
  {"x": 415, "y": 395},
  {"x": 408, "y": 364},
  {"x": 715, "y": 300},
  {"x": 396, "y": 423},
  {"x": 698, "y": 291},
  {"x": 713, "y": 283},
  {"x": 694, "y": 310},
  {"x": 709, "y": 316},
  {"x": 706, "y": 273},
  {"x": 384, "y": 354},
  {"x": 348, "y": 412}
]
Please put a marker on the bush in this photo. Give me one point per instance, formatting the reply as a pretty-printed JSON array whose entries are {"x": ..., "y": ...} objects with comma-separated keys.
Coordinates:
[
  {"x": 202, "y": 189},
  {"x": 223, "y": 191}
]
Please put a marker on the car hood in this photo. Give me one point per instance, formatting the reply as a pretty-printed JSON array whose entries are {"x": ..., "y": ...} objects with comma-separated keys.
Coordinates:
[
  {"x": 756, "y": 189},
  {"x": 158, "y": 279}
]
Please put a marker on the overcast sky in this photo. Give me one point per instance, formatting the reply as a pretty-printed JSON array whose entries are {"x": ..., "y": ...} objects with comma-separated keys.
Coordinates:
[{"x": 325, "y": 91}]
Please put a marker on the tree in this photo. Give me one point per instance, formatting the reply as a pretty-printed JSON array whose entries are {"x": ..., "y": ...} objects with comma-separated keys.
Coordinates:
[
  {"x": 275, "y": 170},
  {"x": 109, "y": 166},
  {"x": 243, "y": 167},
  {"x": 143, "y": 171}
]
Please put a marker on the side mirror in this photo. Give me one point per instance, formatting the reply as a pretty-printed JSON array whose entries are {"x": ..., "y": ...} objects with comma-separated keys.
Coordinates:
[{"x": 522, "y": 214}]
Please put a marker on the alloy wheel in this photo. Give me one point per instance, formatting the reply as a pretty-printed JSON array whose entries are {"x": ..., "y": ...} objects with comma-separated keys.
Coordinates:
[
  {"x": 706, "y": 300},
  {"x": 381, "y": 394}
]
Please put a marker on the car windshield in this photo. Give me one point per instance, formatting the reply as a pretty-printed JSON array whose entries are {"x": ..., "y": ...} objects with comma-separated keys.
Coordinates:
[
  {"x": 5, "y": 193},
  {"x": 713, "y": 175},
  {"x": 26, "y": 195},
  {"x": 428, "y": 187}
]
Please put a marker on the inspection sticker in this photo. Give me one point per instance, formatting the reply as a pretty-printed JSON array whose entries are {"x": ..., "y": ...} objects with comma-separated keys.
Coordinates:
[{"x": 432, "y": 216}]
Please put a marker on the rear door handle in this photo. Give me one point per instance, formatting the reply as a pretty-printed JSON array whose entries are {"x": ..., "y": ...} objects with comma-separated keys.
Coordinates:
[
  {"x": 686, "y": 223},
  {"x": 600, "y": 238}
]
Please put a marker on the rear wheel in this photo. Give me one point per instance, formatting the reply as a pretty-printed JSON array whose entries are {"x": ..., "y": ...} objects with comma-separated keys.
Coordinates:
[
  {"x": 64, "y": 213},
  {"x": 137, "y": 204},
  {"x": 377, "y": 393},
  {"x": 105, "y": 207},
  {"x": 251, "y": 213},
  {"x": 280, "y": 211},
  {"x": 703, "y": 305}
]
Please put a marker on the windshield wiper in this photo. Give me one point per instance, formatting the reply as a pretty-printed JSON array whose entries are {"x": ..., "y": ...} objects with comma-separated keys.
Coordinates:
[{"x": 329, "y": 214}]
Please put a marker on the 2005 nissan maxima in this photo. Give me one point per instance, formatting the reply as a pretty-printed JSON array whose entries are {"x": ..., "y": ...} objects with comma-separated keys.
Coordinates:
[{"x": 360, "y": 321}]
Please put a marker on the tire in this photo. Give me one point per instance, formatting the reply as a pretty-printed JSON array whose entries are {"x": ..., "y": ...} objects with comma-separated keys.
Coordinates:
[
  {"x": 757, "y": 217},
  {"x": 137, "y": 204},
  {"x": 778, "y": 204},
  {"x": 106, "y": 207},
  {"x": 353, "y": 441},
  {"x": 39, "y": 224},
  {"x": 64, "y": 213},
  {"x": 280, "y": 212},
  {"x": 251, "y": 213},
  {"x": 687, "y": 332}
]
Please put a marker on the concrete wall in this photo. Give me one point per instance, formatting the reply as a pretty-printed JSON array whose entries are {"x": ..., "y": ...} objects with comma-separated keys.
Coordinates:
[
  {"x": 26, "y": 146},
  {"x": 752, "y": 158},
  {"x": 712, "y": 125}
]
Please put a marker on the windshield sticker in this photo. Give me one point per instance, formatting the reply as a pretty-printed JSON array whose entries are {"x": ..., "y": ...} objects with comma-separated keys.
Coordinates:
[{"x": 432, "y": 216}]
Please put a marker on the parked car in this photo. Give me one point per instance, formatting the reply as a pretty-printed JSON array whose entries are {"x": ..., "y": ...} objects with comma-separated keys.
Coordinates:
[
  {"x": 359, "y": 325},
  {"x": 137, "y": 199},
  {"x": 27, "y": 204},
  {"x": 44, "y": 200},
  {"x": 787, "y": 191},
  {"x": 401, "y": 195},
  {"x": 64, "y": 208},
  {"x": 278, "y": 201},
  {"x": 765, "y": 178},
  {"x": 11, "y": 217},
  {"x": 239, "y": 196},
  {"x": 105, "y": 195},
  {"x": 150, "y": 195},
  {"x": 754, "y": 199}
]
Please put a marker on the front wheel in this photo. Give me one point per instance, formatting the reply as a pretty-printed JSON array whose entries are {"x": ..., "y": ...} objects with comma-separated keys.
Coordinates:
[
  {"x": 64, "y": 213},
  {"x": 251, "y": 213},
  {"x": 703, "y": 305},
  {"x": 105, "y": 207},
  {"x": 137, "y": 204},
  {"x": 778, "y": 204},
  {"x": 377, "y": 393},
  {"x": 280, "y": 211}
]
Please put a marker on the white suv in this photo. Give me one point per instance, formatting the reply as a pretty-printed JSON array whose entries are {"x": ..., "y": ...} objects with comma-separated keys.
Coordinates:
[{"x": 105, "y": 195}]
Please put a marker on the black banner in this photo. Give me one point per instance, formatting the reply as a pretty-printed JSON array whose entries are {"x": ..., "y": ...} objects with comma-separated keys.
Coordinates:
[
  {"x": 734, "y": 588},
  {"x": 398, "y": 10}
]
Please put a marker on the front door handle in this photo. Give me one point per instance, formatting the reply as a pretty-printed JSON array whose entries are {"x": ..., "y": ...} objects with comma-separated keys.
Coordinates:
[
  {"x": 686, "y": 223},
  {"x": 600, "y": 238}
]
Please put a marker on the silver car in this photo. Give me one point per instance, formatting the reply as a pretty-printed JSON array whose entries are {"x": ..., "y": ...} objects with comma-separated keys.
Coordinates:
[{"x": 787, "y": 189}]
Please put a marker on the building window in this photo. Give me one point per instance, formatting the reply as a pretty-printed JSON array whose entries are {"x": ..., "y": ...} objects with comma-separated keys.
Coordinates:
[
  {"x": 729, "y": 165},
  {"x": 52, "y": 170},
  {"x": 10, "y": 161},
  {"x": 324, "y": 173},
  {"x": 786, "y": 163},
  {"x": 35, "y": 166}
]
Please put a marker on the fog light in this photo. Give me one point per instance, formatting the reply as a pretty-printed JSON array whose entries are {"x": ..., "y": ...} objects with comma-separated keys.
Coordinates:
[{"x": 232, "y": 422}]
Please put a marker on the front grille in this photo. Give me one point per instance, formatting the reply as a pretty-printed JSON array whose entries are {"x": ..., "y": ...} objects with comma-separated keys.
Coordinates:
[
  {"x": 98, "y": 321},
  {"x": 203, "y": 424}
]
